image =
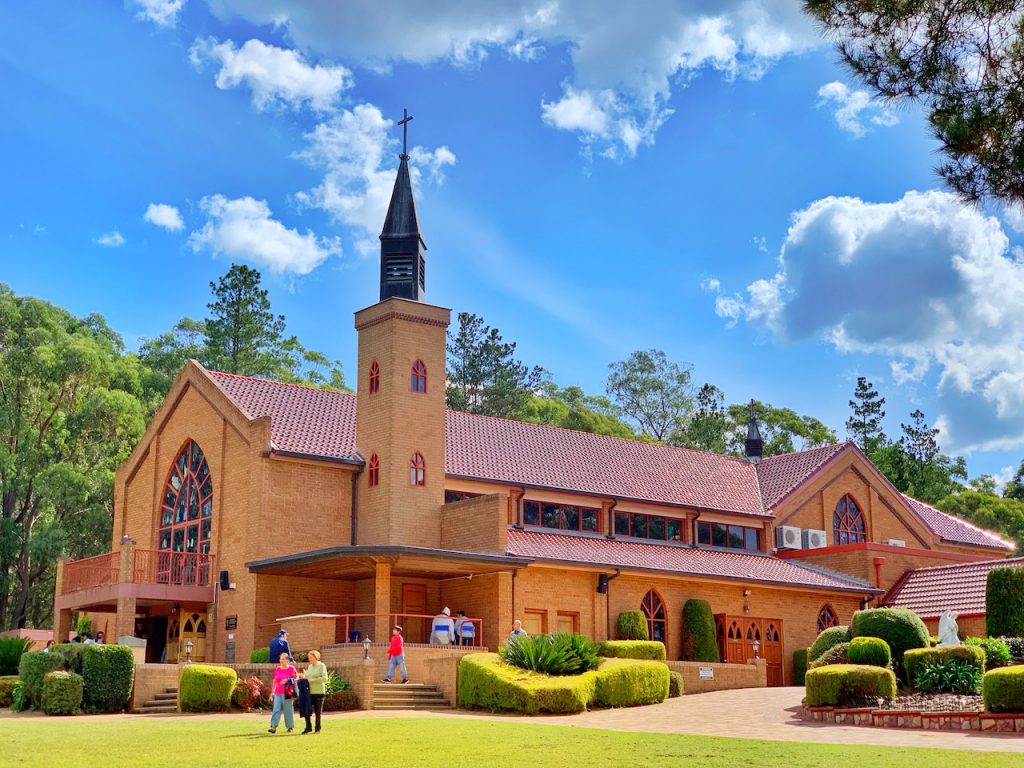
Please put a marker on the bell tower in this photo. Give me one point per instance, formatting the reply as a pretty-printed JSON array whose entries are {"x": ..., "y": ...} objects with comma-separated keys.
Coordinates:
[{"x": 400, "y": 411}]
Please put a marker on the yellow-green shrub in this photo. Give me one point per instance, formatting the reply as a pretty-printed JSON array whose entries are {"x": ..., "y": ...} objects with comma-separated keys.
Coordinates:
[
  {"x": 1003, "y": 689},
  {"x": 650, "y": 650},
  {"x": 675, "y": 685},
  {"x": 31, "y": 669},
  {"x": 628, "y": 683},
  {"x": 913, "y": 660},
  {"x": 869, "y": 650},
  {"x": 205, "y": 688},
  {"x": 829, "y": 637},
  {"x": 840, "y": 684},
  {"x": 632, "y": 626},
  {"x": 487, "y": 682},
  {"x": 62, "y": 693}
]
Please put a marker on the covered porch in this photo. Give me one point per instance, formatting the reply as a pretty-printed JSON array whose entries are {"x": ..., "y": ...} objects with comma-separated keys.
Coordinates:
[{"x": 378, "y": 586}]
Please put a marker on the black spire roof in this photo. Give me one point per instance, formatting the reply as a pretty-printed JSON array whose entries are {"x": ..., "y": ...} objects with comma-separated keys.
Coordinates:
[
  {"x": 753, "y": 445},
  {"x": 403, "y": 262},
  {"x": 402, "y": 220}
]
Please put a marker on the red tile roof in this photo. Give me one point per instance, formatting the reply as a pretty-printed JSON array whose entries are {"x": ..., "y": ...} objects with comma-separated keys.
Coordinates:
[
  {"x": 960, "y": 588},
  {"x": 617, "y": 553},
  {"x": 321, "y": 423}
]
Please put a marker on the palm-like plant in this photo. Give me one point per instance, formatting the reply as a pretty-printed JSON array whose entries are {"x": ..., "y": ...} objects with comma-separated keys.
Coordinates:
[{"x": 556, "y": 654}]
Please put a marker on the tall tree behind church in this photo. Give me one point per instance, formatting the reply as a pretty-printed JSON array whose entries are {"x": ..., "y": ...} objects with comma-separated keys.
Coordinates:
[
  {"x": 654, "y": 392},
  {"x": 242, "y": 333},
  {"x": 864, "y": 427}
]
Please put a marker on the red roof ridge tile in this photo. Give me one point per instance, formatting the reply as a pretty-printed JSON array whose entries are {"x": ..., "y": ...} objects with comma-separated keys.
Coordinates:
[
  {"x": 275, "y": 381},
  {"x": 805, "y": 451}
]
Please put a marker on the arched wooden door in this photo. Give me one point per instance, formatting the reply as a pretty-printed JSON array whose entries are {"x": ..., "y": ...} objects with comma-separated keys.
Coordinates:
[
  {"x": 654, "y": 611},
  {"x": 193, "y": 628},
  {"x": 751, "y": 633},
  {"x": 772, "y": 651},
  {"x": 733, "y": 641},
  {"x": 173, "y": 634}
]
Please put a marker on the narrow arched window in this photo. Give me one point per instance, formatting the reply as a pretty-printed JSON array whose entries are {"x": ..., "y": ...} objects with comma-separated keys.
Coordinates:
[
  {"x": 186, "y": 520},
  {"x": 654, "y": 611},
  {"x": 826, "y": 618},
  {"x": 848, "y": 522},
  {"x": 374, "y": 378},
  {"x": 373, "y": 472},
  {"x": 419, "y": 376},
  {"x": 417, "y": 470}
]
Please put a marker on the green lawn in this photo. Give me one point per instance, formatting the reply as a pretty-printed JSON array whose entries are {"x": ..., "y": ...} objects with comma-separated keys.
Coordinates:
[{"x": 423, "y": 743}]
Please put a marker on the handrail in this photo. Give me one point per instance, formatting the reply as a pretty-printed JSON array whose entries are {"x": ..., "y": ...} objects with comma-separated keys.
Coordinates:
[
  {"x": 163, "y": 566},
  {"x": 355, "y": 635},
  {"x": 96, "y": 571}
]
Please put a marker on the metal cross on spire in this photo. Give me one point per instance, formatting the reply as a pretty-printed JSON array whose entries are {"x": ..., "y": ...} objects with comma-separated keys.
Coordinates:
[{"x": 404, "y": 122}]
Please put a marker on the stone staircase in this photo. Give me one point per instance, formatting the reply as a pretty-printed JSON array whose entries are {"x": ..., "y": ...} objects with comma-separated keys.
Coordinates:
[
  {"x": 161, "y": 703},
  {"x": 408, "y": 696}
]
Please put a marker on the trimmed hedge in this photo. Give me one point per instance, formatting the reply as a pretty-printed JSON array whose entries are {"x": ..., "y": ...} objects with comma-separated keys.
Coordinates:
[
  {"x": 698, "y": 638},
  {"x": 632, "y": 626},
  {"x": 62, "y": 693},
  {"x": 32, "y": 668},
  {"x": 901, "y": 628},
  {"x": 799, "y": 665},
  {"x": 837, "y": 654},
  {"x": 843, "y": 684},
  {"x": 629, "y": 683},
  {"x": 829, "y": 638},
  {"x": 109, "y": 673},
  {"x": 205, "y": 688},
  {"x": 648, "y": 650},
  {"x": 1003, "y": 689},
  {"x": 914, "y": 659},
  {"x": 260, "y": 656},
  {"x": 341, "y": 701},
  {"x": 7, "y": 683},
  {"x": 873, "y": 651},
  {"x": 1004, "y": 602},
  {"x": 675, "y": 685}
]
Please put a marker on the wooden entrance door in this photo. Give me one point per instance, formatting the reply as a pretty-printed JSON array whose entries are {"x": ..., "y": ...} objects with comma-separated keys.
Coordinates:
[
  {"x": 771, "y": 650},
  {"x": 736, "y": 636},
  {"x": 193, "y": 627},
  {"x": 414, "y": 600}
]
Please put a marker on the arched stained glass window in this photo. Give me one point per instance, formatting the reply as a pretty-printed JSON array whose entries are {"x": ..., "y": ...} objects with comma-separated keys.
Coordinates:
[
  {"x": 373, "y": 471},
  {"x": 827, "y": 618},
  {"x": 417, "y": 470},
  {"x": 374, "y": 378},
  {"x": 847, "y": 522},
  {"x": 419, "y": 376},
  {"x": 186, "y": 516},
  {"x": 654, "y": 611}
]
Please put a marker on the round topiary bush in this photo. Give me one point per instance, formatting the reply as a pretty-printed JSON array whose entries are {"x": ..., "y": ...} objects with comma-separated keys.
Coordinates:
[
  {"x": 799, "y": 665},
  {"x": 62, "y": 693},
  {"x": 829, "y": 637},
  {"x": 844, "y": 684},
  {"x": 1003, "y": 689},
  {"x": 902, "y": 629},
  {"x": 873, "y": 651},
  {"x": 109, "y": 673},
  {"x": 698, "y": 638},
  {"x": 675, "y": 685},
  {"x": 632, "y": 626},
  {"x": 31, "y": 669},
  {"x": 837, "y": 654},
  {"x": 1004, "y": 602},
  {"x": 205, "y": 688}
]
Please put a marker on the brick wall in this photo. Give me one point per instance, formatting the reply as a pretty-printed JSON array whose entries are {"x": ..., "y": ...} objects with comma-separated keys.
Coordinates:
[
  {"x": 476, "y": 525},
  {"x": 968, "y": 626},
  {"x": 278, "y": 596},
  {"x": 725, "y": 676},
  {"x": 151, "y": 679}
]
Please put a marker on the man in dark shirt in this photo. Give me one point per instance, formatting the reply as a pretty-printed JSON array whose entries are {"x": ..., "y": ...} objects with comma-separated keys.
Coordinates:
[{"x": 280, "y": 645}]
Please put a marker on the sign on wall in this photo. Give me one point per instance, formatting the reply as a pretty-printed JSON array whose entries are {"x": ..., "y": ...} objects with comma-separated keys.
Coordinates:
[
  {"x": 231, "y": 622},
  {"x": 229, "y": 653},
  {"x": 707, "y": 673}
]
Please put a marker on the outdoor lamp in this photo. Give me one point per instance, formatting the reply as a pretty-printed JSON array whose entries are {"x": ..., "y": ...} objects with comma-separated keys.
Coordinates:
[
  {"x": 366, "y": 647},
  {"x": 188, "y": 651},
  {"x": 757, "y": 647}
]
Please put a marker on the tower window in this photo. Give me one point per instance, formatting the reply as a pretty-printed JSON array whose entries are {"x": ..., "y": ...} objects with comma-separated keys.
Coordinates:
[
  {"x": 374, "y": 378},
  {"x": 373, "y": 472},
  {"x": 848, "y": 522},
  {"x": 419, "y": 377},
  {"x": 417, "y": 470}
]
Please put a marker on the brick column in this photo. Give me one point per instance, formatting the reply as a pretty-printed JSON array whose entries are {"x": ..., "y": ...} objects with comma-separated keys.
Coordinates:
[
  {"x": 124, "y": 621},
  {"x": 126, "y": 569},
  {"x": 382, "y": 602},
  {"x": 61, "y": 617}
]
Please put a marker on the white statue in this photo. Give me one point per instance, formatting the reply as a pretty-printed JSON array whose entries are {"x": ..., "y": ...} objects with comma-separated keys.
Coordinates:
[{"x": 948, "y": 629}]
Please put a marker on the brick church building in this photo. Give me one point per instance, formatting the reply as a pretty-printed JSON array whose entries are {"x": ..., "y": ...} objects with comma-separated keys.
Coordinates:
[{"x": 248, "y": 501}]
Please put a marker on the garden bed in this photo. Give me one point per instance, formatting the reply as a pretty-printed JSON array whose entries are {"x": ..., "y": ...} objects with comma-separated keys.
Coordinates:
[{"x": 927, "y": 715}]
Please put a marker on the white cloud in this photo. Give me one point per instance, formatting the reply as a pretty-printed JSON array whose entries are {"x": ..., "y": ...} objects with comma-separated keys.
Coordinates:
[
  {"x": 711, "y": 285},
  {"x": 162, "y": 12},
  {"x": 626, "y": 60},
  {"x": 276, "y": 76},
  {"x": 1013, "y": 215},
  {"x": 926, "y": 280},
  {"x": 112, "y": 239},
  {"x": 352, "y": 148},
  {"x": 243, "y": 229},
  {"x": 853, "y": 107},
  {"x": 164, "y": 215}
]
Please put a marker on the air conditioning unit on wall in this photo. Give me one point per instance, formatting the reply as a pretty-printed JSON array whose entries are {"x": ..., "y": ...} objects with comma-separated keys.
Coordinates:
[
  {"x": 814, "y": 539},
  {"x": 787, "y": 537},
  {"x": 894, "y": 542}
]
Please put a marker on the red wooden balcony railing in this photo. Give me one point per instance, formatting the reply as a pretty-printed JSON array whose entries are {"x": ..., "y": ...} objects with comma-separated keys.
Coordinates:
[{"x": 91, "y": 572}]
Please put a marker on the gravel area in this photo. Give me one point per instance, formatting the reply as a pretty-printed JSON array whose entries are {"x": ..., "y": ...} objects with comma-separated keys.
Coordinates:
[{"x": 933, "y": 702}]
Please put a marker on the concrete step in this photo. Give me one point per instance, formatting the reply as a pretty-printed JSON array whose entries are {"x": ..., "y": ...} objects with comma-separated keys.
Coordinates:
[
  {"x": 403, "y": 686},
  {"x": 156, "y": 708},
  {"x": 407, "y": 696},
  {"x": 166, "y": 696},
  {"x": 407, "y": 707}
]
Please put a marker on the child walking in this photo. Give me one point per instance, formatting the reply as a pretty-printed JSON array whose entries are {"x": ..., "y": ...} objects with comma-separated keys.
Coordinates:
[{"x": 396, "y": 655}]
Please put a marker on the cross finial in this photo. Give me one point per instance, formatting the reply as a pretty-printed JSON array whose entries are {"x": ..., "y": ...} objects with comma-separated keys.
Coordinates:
[{"x": 404, "y": 122}]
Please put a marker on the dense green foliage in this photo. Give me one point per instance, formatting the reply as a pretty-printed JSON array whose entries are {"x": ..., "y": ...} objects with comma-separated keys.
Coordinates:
[
  {"x": 843, "y": 684},
  {"x": 654, "y": 392},
  {"x": 31, "y": 670},
  {"x": 837, "y": 654},
  {"x": 653, "y": 650},
  {"x": 829, "y": 637},
  {"x": 632, "y": 626},
  {"x": 7, "y": 684},
  {"x": 11, "y": 651},
  {"x": 902, "y": 629},
  {"x": 699, "y": 642},
  {"x": 869, "y": 650},
  {"x": 997, "y": 652},
  {"x": 1004, "y": 602},
  {"x": 676, "y": 687},
  {"x": 205, "y": 688},
  {"x": 572, "y": 408},
  {"x": 1003, "y": 689},
  {"x": 982, "y": 507},
  {"x": 799, "y": 665},
  {"x": 950, "y": 676},
  {"x": 260, "y": 655},
  {"x": 1016, "y": 646},
  {"x": 554, "y": 654},
  {"x": 623, "y": 683},
  {"x": 864, "y": 427},
  {"x": 914, "y": 660},
  {"x": 62, "y": 693},
  {"x": 109, "y": 673}
]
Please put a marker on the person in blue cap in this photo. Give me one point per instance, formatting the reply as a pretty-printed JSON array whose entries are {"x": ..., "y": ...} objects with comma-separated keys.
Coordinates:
[{"x": 280, "y": 645}]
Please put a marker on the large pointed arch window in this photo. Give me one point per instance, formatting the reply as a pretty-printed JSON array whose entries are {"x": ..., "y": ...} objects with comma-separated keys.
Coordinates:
[
  {"x": 848, "y": 522},
  {"x": 654, "y": 611},
  {"x": 186, "y": 520},
  {"x": 417, "y": 470},
  {"x": 419, "y": 376}
]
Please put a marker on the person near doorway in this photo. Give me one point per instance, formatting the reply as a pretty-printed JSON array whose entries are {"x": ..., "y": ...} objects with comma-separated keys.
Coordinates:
[
  {"x": 396, "y": 655},
  {"x": 100, "y": 638},
  {"x": 280, "y": 645},
  {"x": 442, "y": 628},
  {"x": 284, "y": 694},
  {"x": 316, "y": 675},
  {"x": 89, "y": 639},
  {"x": 465, "y": 629},
  {"x": 517, "y": 629},
  {"x": 48, "y": 644}
]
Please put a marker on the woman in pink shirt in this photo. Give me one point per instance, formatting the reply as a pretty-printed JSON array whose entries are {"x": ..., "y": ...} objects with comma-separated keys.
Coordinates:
[{"x": 284, "y": 673}]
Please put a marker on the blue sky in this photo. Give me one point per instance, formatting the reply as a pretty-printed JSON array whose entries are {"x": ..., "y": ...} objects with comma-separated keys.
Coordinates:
[{"x": 592, "y": 179}]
